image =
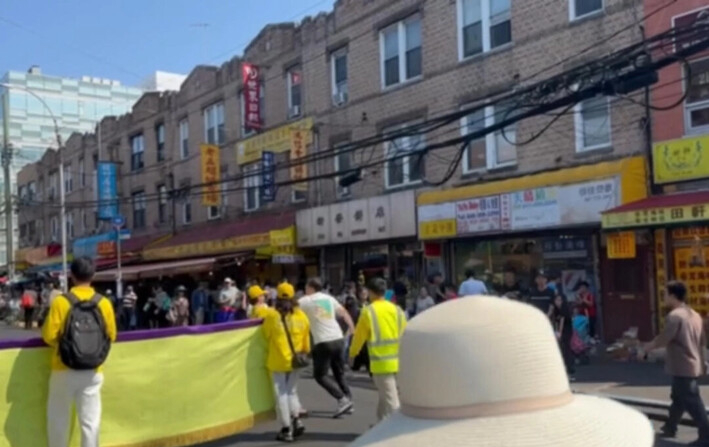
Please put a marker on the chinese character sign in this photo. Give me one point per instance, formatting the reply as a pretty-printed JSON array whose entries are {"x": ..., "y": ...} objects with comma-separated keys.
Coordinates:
[
  {"x": 621, "y": 245},
  {"x": 298, "y": 150},
  {"x": 107, "y": 190},
  {"x": 252, "y": 96},
  {"x": 268, "y": 177},
  {"x": 211, "y": 191}
]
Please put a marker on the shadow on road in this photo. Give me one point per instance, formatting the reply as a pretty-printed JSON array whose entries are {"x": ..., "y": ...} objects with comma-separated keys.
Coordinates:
[{"x": 270, "y": 437}]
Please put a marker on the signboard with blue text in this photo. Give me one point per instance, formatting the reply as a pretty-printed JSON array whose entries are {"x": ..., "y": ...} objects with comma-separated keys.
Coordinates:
[
  {"x": 106, "y": 173},
  {"x": 268, "y": 177},
  {"x": 98, "y": 246}
]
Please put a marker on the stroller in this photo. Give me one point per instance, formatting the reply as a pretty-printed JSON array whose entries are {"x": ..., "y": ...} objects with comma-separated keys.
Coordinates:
[{"x": 581, "y": 342}]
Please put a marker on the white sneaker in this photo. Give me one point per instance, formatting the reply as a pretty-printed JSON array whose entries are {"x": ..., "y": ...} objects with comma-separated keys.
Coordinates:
[{"x": 343, "y": 406}]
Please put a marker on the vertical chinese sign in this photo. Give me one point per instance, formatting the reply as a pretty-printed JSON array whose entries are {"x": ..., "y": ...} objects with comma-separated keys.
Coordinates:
[
  {"x": 210, "y": 175},
  {"x": 299, "y": 168},
  {"x": 252, "y": 96},
  {"x": 268, "y": 176},
  {"x": 107, "y": 190}
]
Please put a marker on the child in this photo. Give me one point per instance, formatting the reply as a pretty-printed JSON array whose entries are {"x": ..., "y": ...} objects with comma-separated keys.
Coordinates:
[{"x": 581, "y": 325}]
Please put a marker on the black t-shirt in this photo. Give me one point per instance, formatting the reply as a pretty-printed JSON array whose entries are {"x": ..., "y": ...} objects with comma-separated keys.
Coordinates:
[
  {"x": 541, "y": 299},
  {"x": 513, "y": 292},
  {"x": 562, "y": 313}
]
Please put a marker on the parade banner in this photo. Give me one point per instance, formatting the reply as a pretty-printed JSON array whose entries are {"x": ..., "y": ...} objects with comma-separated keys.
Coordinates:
[{"x": 170, "y": 387}]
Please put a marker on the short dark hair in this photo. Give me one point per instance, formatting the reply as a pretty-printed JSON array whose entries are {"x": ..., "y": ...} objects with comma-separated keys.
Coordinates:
[
  {"x": 678, "y": 289},
  {"x": 469, "y": 272},
  {"x": 315, "y": 284},
  {"x": 377, "y": 286},
  {"x": 82, "y": 269}
]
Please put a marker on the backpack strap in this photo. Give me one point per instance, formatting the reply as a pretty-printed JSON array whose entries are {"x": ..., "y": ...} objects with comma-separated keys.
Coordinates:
[
  {"x": 96, "y": 298},
  {"x": 73, "y": 299}
]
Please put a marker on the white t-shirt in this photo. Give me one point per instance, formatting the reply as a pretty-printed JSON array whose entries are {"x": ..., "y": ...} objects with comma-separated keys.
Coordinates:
[{"x": 320, "y": 309}]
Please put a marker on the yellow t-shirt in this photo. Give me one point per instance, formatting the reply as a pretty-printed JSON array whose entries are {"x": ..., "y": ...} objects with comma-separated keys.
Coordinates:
[
  {"x": 260, "y": 311},
  {"x": 280, "y": 356},
  {"x": 56, "y": 319}
]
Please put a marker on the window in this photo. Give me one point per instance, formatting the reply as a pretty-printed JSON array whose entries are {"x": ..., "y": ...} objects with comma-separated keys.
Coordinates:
[
  {"x": 298, "y": 196},
  {"x": 70, "y": 225},
  {"x": 343, "y": 163},
  {"x": 160, "y": 141},
  {"x": 494, "y": 150},
  {"x": 697, "y": 102},
  {"x": 84, "y": 222},
  {"x": 252, "y": 187},
  {"x": 137, "y": 144},
  {"x": 593, "y": 124},
  {"x": 475, "y": 158},
  {"x": 184, "y": 139},
  {"x": 82, "y": 172},
  {"x": 52, "y": 186},
  {"x": 338, "y": 64},
  {"x": 404, "y": 164},
  {"x": 162, "y": 203},
  {"x": 187, "y": 212},
  {"x": 583, "y": 8},
  {"x": 246, "y": 131},
  {"x": 294, "y": 81},
  {"x": 55, "y": 228},
  {"x": 401, "y": 52},
  {"x": 482, "y": 26},
  {"x": 68, "y": 181},
  {"x": 215, "y": 212},
  {"x": 22, "y": 193},
  {"x": 214, "y": 132},
  {"x": 138, "y": 199}
]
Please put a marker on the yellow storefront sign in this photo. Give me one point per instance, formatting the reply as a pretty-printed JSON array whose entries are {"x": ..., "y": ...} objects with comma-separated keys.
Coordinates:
[
  {"x": 621, "y": 245},
  {"x": 656, "y": 216},
  {"x": 228, "y": 245},
  {"x": 283, "y": 238},
  {"x": 277, "y": 140},
  {"x": 437, "y": 229},
  {"x": 681, "y": 160}
]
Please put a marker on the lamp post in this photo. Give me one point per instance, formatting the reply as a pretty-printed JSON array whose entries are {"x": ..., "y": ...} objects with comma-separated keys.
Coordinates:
[{"x": 62, "y": 198}]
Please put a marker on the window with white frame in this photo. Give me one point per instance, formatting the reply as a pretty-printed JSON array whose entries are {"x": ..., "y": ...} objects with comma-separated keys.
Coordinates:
[
  {"x": 343, "y": 163},
  {"x": 495, "y": 149},
  {"x": 294, "y": 79},
  {"x": 246, "y": 131},
  {"x": 214, "y": 132},
  {"x": 82, "y": 172},
  {"x": 160, "y": 141},
  {"x": 400, "y": 49},
  {"x": 139, "y": 205},
  {"x": 184, "y": 139},
  {"x": 483, "y": 25},
  {"x": 137, "y": 143},
  {"x": 697, "y": 103},
  {"x": 186, "y": 212},
  {"x": 252, "y": 187},
  {"x": 593, "y": 124},
  {"x": 581, "y": 8},
  {"x": 32, "y": 191},
  {"x": 338, "y": 73},
  {"x": 215, "y": 212},
  {"x": 405, "y": 163},
  {"x": 475, "y": 157},
  {"x": 70, "y": 225},
  {"x": 162, "y": 203},
  {"x": 54, "y": 224},
  {"x": 68, "y": 180}
]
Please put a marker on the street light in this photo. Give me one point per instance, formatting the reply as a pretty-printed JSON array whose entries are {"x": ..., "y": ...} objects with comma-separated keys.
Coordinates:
[{"x": 62, "y": 198}]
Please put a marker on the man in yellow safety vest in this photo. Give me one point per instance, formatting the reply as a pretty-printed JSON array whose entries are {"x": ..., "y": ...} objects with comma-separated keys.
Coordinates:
[{"x": 381, "y": 325}]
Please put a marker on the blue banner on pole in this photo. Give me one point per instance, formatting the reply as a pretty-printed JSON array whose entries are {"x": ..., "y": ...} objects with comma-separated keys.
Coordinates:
[
  {"x": 107, "y": 190},
  {"x": 89, "y": 246},
  {"x": 268, "y": 177}
]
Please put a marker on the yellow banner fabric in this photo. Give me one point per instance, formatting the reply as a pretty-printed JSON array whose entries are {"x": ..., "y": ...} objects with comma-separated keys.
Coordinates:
[{"x": 211, "y": 175}]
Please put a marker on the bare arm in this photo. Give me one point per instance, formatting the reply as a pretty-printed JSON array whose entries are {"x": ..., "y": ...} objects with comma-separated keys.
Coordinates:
[{"x": 342, "y": 313}]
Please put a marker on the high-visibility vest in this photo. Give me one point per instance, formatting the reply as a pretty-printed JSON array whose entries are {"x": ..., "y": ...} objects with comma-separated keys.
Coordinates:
[{"x": 387, "y": 321}]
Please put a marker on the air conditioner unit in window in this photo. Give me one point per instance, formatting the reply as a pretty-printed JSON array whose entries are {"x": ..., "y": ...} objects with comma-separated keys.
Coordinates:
[
  {"x": 295, "y": 111},
  {"x": 339, "y": 98}
]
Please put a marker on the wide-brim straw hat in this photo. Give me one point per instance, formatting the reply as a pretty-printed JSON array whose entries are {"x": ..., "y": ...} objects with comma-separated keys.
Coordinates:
[{"x": 487, "y": 372}]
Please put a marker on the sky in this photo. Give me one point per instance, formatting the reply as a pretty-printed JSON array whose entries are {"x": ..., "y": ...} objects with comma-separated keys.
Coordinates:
[{"x": 128, "y": 40}]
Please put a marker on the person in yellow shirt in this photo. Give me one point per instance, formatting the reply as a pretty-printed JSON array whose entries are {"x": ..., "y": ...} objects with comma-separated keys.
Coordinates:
[
  {"x": 381, "y": 325},
  {"x": 259, "y": 308},
  {"x": 287, "y": 333},
  {"x": 76, "y": 383}
]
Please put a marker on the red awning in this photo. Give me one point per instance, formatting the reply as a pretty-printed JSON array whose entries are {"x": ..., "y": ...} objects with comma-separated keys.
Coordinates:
[
  {"x": 670, "y": 209},
  {"x": 141, "y": 271}
]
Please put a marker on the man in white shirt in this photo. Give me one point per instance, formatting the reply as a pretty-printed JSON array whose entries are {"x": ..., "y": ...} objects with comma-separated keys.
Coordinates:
[{"x": 328, "y": 342}]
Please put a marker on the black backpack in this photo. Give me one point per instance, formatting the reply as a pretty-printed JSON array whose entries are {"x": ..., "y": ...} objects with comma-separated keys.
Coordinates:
[{"x": 84, "y": 344}]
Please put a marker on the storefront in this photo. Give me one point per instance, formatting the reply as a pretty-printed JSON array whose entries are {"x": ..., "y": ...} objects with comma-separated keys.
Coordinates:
[
  {"x": 547, "y": 221},
  {"x": 367, "y": 237}
]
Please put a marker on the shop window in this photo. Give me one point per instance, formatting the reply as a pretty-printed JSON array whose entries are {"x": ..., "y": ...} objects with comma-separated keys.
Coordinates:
[
  {"x": 696, "y": 105},
  {"x": 405, "y": 159},
  {"x": 593, "y": 124}
]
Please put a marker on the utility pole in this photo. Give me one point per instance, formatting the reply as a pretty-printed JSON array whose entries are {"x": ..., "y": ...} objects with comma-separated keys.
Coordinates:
[{"x": 6, "y": 168}]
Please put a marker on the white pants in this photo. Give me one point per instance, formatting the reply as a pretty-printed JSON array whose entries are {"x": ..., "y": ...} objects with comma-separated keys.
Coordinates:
[
  {"x": 67, "y": 389},
  {"x": 287, "y": 402},
  {"x": 388, "y": 394}
]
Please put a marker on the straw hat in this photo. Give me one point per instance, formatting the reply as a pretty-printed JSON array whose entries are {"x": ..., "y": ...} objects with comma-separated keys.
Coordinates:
[{"x": 487, "y": 372}]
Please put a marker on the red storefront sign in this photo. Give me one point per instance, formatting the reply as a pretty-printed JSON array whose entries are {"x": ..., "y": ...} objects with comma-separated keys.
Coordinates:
[{"x": 252, "y": 95}]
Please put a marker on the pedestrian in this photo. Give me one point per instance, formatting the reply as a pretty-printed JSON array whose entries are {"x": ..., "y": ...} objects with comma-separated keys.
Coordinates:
[
  {"x": 164, "y": 303},
  {"x": 541, "y": 295},
  {"x": 288, "y": 338},
  {"x": 471, "y": 286},
  {"x": 587, "y": 304},
  {"x": 685, "y": 362},
  {"x": 423, "y": 302},
  {"x": 510, "y": 287},
  {"x": 76, "y": 377},
  {"x": 435, "y": 287},
  {"x": 381, "y": 325},
  {"x": 226, "y": 301},
  {"x": 322, "y": 311},
  {"x": 29, "y": 305},
  {"x": 128, "y": 318},
  {"x": 151, "y": 311},
  {"x": 259, "y": 308},
  {"x": 179, "y": 313},
  {"x": 470, "y": 378},
  {"x": 198, "y": 303},
  {"x": 563, "y": 328}
]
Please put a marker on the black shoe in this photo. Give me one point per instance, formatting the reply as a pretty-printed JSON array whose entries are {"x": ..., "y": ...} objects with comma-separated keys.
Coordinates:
[
  {"x": 298, "y": 428},
  {"x": 285, "y": 435},
  {"x": 666, "y": 432}
]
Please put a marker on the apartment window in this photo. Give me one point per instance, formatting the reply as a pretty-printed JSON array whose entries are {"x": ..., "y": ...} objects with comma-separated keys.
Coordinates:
[
  {"x": 68, "y": 180},
  {"x": 162, "y": 203},
  {"x": 697, "y": 102},
  {"x": 338, "y": 67},
  {"x": 52, "y": 186},
  {"x": 295, "y": 81},
  {"x": 32, "y": 191},
  {"x": 82, "y": 172},
  {"x": 593, "y": 124},
  {"x": 582, "y": 8},
  {"x": 54, "y": 228},
  {"x": 184, "y": 139},
  {"x": 482, "y": 26},
  {"x": 138, "y": 199},
  {"x": 22, "y": 193},
  {"x": 476, "y": 153},
  {"x": 494, "y": 150},
  {"x": 214, "y": 132},
  {"x": 160, "y": 140},
  {"x": 137, "y": 144},
  {"x": 252, "y": 187},
  {"x": 84, "y": 222},
  {"x": 246, "y": 131},
  {"x": 70, "y": 225},
  {"x": 343, "y": 163},
  {"x": 405, "y": 162},
  {"x": 401, "y": 51},
  {"x": 187, "y": 212},
  {"x": 504, "y": 150}
]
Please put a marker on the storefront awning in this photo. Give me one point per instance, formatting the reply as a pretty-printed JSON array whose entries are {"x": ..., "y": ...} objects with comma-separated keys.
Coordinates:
[
  {"x": 142, "y": 271},
  {"x": 665, "y": 210}
]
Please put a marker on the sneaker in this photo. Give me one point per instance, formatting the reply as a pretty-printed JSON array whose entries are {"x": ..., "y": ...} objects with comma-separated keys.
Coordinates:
[
  {"x": 303, "y": 414},
  {"x": 285, "y": 435},
  {"x": 298, "y": 428},
  {"x": 343, "y": 406},
  {"x": 666, "y": 432}
]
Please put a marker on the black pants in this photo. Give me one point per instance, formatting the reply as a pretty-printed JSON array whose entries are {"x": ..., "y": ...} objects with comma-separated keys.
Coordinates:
[
  {"x": 326, "y": 356},
  {"x": 567, "y": 353},
  {"x": 592, "y": 327},
  {"x": 29, "y": 317},
  {"x": 686, "y": 397}
]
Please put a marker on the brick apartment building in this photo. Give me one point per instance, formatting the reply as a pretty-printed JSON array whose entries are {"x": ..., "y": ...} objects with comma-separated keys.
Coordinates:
[{"x": 367, "y": 68}]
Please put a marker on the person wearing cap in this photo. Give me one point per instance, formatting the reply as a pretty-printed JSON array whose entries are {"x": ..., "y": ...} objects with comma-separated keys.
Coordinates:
[
  {"x": 541, "y": 295},
  {"x": 287, "y": 333},
  {"x": 259, "y": 309},
  {"x": 381, "y": 325},
  {"x": 285, "y": 290},
  {"x": 227, "y": 300},
  {"x": 179, "y": 313}
]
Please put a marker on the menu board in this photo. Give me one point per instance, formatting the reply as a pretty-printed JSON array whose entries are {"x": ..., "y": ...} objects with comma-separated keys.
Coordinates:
[{"x": 695, "y": 276}]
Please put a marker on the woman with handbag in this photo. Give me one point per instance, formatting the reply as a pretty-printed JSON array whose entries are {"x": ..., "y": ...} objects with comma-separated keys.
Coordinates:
[{"x": 288, "y": 336}]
